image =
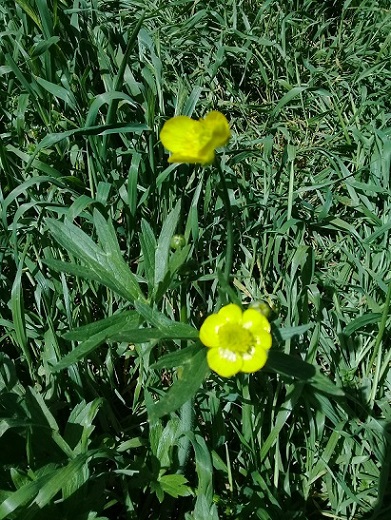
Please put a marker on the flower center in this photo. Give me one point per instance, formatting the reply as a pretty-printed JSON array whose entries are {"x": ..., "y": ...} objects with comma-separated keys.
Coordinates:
[{"x": 234, "y": 337}]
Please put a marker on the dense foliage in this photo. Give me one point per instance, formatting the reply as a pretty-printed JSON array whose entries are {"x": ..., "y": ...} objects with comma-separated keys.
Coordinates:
[{"x": 99, "y": 314}]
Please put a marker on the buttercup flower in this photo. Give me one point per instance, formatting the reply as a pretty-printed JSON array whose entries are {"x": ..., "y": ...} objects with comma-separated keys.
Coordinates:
[
  {"x": 238, "y": 341},
  {"x": 191, "y": 141}
]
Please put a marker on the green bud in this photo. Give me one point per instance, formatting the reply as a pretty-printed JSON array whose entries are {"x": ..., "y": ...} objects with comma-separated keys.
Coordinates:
[
  {"x": 262, "y": 307},
  {"x": 177, "y": 242}
]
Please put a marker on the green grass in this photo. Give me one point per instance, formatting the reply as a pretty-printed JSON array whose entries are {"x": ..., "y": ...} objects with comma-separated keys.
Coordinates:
[{"x": 107, "y": 410}]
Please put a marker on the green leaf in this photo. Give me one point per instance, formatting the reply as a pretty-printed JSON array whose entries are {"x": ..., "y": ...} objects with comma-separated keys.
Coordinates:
[
  {"x": 176, "y": 331},
  {"x": 175, "y": 485},
  {"x": 293, "y": 393},
  {"x": 195, "y": 370},
  {"x": 163, "y": 245},
  {"x": 18, "y": 313},
  {"x": 29, "y": 11},
  {"x": 8, "y": 378},
  {"x": 80, "y": 424},
  {"x": 42, "y": 46},
  {"x": 148, "y": 248},
  {"x": 361, "y": 321},
  {"x": 295, "y": 367},
  {"x": 204, "y": 507},
  {"x": 291, "y": 94},
  {"x": 123, "y": 327},
  {"x": 175, "y": 359},
  {"x": 103, "y": 99},
  {"x": 58, "y": 92},
  {"x": 51, "y": 139},
  {"x": 171, "y": 329},
  {"x": 107, "y": 267},
  {"x": 20, "y": 497},
  {"x": 124, "y": 319},
  {"x": 289, "y": 332},
  {"x": 40, "y": 414},
  {"x": 59, "y": 480},
  {"x": 95, "y": 334}
]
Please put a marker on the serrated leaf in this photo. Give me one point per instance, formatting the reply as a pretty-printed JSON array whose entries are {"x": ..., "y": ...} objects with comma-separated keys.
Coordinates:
[
  {"x": 174, "y": 485},
  {"x": 107, "y": 267}
]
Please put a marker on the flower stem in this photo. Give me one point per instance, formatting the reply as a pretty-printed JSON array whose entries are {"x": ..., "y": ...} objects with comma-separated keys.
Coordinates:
[
  {"x": 186, "y": 416},
  {"x": 229, "y": 228},
  {"x": 378, "y": 351}
]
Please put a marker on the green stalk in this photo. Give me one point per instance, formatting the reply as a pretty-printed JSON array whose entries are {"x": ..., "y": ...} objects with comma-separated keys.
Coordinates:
[
  {"x": 377, "y": 351},
  {"x": 229, "y": 229},
  {"x": 186, "y": 416},
  {"x": 186, "y": 421},
  {"x": 119, "y": 80}
]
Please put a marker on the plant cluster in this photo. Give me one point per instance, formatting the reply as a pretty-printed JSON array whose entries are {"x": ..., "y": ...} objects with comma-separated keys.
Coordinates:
[{"x": 200, "y": 335}]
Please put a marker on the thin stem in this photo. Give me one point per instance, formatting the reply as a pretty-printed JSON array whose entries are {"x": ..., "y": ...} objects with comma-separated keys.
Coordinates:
[
  {"x": 377, "y": 351},
  {"x": 186, "y": 417},
  {"x": 119, "y": 79},
  {"x": 229, "y": 228}
]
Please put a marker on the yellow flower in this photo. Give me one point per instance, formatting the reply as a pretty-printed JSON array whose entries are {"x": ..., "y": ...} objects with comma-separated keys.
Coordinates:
[
  {"x": 191, "y": 141},
  {"x": 238, "y": 341}
]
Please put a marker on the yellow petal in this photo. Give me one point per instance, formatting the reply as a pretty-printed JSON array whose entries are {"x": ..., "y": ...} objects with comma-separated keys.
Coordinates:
[
  {"x": 224, "y": 362},
  {"x": 254, "y": 360},
  {"x": 263, "y": 339},
  {"x": 193, "y": 141},
  {"x": 182, "y": 134},
  {"x": 180, "y": 157},
  {"x": 255, "y": 322},
  {"x": 206, "y": 155},
  {"x": 218, "y": 126},
  {"x": 209, "y": 331},
  {"x": 231, "y": 312}
]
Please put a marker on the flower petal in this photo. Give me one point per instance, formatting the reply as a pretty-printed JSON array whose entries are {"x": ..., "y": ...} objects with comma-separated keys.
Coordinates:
[
  {"x": 254, "y": 360},
  {"x": 207, "y": 154},
  {"x": 259, "y": 327},
  {"x": 179, "y": 157},
  {"x": 263, "y": 339},
  {"x": 224, "y": 362},
  {"x": 209, "y": 331},
  {"x": 231, "y": 312},
  {"x": 193, "y": 141},
  {"x": 181, "y": 134},
  {"x": 218, "y": 126},
  {"x": 255, "y": 322}
]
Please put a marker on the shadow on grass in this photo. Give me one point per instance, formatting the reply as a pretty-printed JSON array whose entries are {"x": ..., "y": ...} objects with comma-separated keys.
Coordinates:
[{"x": 382, "y": 508}]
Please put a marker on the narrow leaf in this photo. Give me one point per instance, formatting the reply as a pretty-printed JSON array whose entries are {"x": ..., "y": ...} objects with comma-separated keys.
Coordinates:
[{"x": 194, "y": 373}]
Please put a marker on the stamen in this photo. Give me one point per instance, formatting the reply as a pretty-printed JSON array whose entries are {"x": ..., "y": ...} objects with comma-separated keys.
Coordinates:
[{"x": 235, "y": 338}]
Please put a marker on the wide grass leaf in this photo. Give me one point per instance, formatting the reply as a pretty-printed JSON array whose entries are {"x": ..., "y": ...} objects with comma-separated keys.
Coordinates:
[
  {"x": 195, "y": 370},
  {"x": 20, "y": 497},
  {"x": 163, "y": 245},
  {"x": 94, "y": 335},
  {"x": 103, "y": 265},
  {"x": 295, "y": 367}
]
